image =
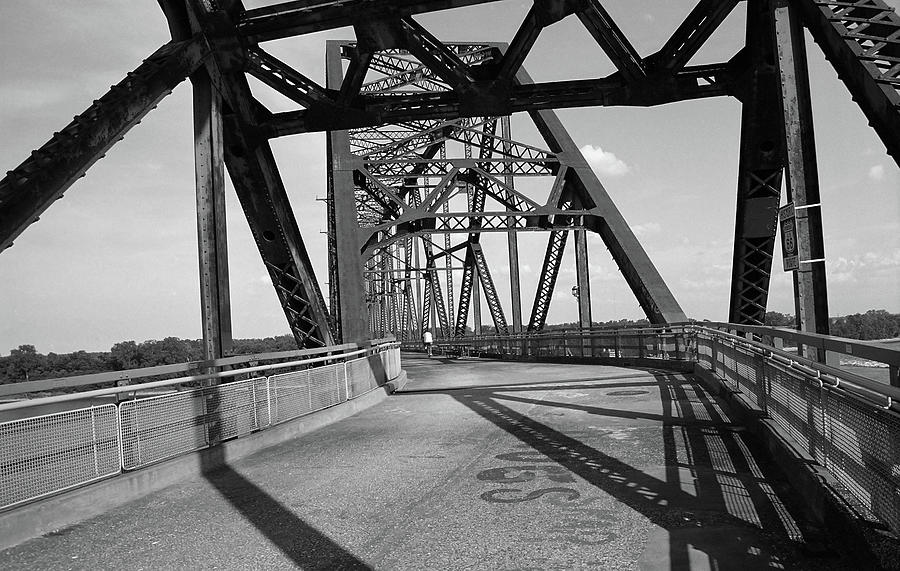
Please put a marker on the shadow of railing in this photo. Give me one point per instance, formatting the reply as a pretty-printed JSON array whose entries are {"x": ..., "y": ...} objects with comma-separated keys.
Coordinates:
[{"x": 733, "y": 490}]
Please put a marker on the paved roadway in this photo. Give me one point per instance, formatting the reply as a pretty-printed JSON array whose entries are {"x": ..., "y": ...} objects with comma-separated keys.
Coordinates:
[{"x": 476, "y": 465}]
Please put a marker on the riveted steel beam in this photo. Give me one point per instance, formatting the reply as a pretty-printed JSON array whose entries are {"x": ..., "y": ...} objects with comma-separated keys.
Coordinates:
[
  {"x": 690, "y": 36},
  {"x": 611, "y": 39},
  {"x": 258, "y": 184},
  {"x": 304, "y": 17},
  {"x": 690, "y": 83},
  {"x": 810, "y": 289},
  {"x": 215, "y": 297},
  {"x": 862, "y": 41},
  {"x": 29, "y": 189}
]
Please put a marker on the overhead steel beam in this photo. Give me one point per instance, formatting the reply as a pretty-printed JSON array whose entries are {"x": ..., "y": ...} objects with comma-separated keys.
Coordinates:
[
  {"x": 690, "y": 36},
  {"x": 459, "y": 223},
  {"x": 611, "y": 39},
  {"x": 521, "y": 44},
  {"x": 862, "y": 41},
  {"x": 304, "y": 17},
  {"x": 760, "y": 172},
  {"x": 690, "y": 83},
  {"x": 29, "y": 189},
  {"x": 435, "y": 55},
  {"x": 284, "y": 79}
]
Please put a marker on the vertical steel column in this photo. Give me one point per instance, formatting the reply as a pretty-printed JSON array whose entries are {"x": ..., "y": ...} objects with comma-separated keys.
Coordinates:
[
  {"x": 417, "y": 279},
  {"x": 209, "y": 169},
  {"x": 512, "y": 240},
  {"x": 476, "y": 301},
  {"x": 348, "y": 265},
  {"x": 584, "y": 280},
  {"x": 759, "y": 173},
  {"x": 803, "y": 178}
]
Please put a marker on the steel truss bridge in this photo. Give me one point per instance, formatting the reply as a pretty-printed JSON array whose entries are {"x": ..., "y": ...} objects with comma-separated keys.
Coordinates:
[{"x": 423, "y": 159}]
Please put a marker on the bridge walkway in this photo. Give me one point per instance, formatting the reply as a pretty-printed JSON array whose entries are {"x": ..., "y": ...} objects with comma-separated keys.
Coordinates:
[{"x": 477, "y": 464}]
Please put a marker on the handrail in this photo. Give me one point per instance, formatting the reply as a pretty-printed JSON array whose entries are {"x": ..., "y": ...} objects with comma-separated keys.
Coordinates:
[
  {"x": 181, "y": 380},
  {"x": 847, "y": 381},
  {"x": 839, "y": 377},
  {"x": 128, "y": 374},
  {"x": 858, "y": 348}
]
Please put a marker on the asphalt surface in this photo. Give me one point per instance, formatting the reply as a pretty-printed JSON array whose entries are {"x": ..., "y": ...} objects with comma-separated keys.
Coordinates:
[{"x": 476, "y": 465}]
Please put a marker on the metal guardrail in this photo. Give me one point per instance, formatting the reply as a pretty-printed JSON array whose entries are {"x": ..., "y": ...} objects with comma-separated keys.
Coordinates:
[
  {"x": 48, "y": 454},
  {"x": 193, "y": 369},
  {"x": 847, "y": 423}
]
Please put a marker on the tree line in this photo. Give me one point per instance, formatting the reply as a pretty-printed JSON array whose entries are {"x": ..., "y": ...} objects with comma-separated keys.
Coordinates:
[
  {"x": 873, "y": 324},
  {"x": 26, "y": 364}
]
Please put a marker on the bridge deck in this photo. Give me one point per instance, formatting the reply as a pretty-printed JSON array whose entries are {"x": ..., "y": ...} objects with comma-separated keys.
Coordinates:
[{"x": 476, "y": 464}]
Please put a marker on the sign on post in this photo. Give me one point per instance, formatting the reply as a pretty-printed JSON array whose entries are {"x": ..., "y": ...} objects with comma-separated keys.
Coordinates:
[{"x": 788, "y": 225}]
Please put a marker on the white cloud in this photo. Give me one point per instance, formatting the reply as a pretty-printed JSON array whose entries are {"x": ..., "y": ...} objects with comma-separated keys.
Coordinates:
[
  {"x": 868, "y": 264},
  {"x": 646, "y": 229},
  {"x": 876, "y": 172},
  {"x": 604, "y": 162}
]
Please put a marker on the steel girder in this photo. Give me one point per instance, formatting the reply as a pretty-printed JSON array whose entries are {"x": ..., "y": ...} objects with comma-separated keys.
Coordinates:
[
  {"x": 810, "y": 291},
  {"x": 860, "y": 38},
  {"x": 404, "y": 190},
  {"x": 556, "y": 244},
  {"x": 760, "y": 172},
  {"x": 29, "y": 189},
  {"x": 258, "y": 184},
  {"x": 862, "y": 41}
]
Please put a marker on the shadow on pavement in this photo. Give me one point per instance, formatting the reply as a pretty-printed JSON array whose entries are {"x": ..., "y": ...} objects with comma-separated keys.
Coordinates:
[
  {"x": 736, "y": 499},
  {"x": 303, "y": 544},
  {"x": 306, "y": 546}
]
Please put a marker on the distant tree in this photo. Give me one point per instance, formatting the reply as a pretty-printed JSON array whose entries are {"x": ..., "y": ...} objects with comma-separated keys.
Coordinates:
[
  {"x": 166, "y": 352},
  {"x": 125, "y": 355},
  {"x": 873, "y": 324},
  {"x": 775, "y": 319},
  {"x": 22, "y": 363}
]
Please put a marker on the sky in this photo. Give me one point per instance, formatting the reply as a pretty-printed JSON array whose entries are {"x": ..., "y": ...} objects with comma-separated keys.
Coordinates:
[{"x": 116, "y": 258}]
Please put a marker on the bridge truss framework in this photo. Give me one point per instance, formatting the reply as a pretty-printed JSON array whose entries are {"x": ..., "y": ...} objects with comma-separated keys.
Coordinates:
[{"x": 449, "y": 92}]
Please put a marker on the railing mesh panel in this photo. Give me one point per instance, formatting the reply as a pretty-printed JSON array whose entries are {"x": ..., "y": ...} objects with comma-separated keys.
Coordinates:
[
  {"x": 864, "y": 454},
  {"x": 748, "y": 369},
  {"x": 325, "y": 386},
  {"x": 160, "y": 427},
  {"x": 794, "y": 403},
  {"x": 46, "y": 454},
  {"x": 362, "y": 377},
  {"x": 236, "y": 409},
  {"x": 290, "y": 394}
]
